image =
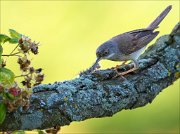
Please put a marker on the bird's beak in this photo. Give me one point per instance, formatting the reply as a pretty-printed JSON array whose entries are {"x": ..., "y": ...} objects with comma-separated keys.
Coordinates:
[
  {"x": 96, "y": 63},
  {"x": 97, "y": 60}
]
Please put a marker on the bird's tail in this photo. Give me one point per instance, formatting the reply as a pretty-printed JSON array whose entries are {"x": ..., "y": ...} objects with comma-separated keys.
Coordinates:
[{"x": 158, "y": 20}]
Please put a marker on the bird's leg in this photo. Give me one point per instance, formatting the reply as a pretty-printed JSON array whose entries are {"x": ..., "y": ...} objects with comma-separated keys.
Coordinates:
[
  {"x": 124, "y": 62},
  {"x": 115, "y": 68},
  {"x": 136, "y": 66},
  {"x": 128, "y": 71},
  {"x": 118, "y": 66}
]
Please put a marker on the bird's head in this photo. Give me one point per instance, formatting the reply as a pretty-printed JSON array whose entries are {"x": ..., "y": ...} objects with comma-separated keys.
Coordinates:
[{"x": 105, "y": 51}]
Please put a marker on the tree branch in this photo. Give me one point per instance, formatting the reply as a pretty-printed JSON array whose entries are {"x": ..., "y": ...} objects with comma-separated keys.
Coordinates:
[{"x": 99, "y": 94}]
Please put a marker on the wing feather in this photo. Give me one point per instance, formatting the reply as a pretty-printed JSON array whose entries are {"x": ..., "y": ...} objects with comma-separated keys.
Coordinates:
[{"x": 132, "y": 41}]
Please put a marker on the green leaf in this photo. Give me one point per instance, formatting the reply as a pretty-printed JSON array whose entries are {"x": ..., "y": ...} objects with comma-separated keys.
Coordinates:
[
  {"x": 9, "y": 96},
  {"x": 1, "y": 51},
  {"x": 2, "y": 112},
  {"x": 6, "y": 77},
  {"x": 3, "y": 38},
  {"x": 14, "y": 34},
  {"x": 13, "y": 40}
]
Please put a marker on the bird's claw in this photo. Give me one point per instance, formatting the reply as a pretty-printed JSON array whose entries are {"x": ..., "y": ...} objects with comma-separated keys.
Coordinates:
[
  {"x": 124, "y": 73},
  {"x": 119, "y": 74}
]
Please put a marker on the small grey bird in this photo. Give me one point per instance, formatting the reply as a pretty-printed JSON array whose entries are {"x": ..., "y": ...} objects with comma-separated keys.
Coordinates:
[{"x": 129, "y": 45}]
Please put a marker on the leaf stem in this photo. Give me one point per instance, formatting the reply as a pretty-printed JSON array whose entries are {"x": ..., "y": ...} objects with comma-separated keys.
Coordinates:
[
  {"x": 22, "y": 75},
  {"x": 14, "y": 48},
  {"x": 14, "y": 54}
]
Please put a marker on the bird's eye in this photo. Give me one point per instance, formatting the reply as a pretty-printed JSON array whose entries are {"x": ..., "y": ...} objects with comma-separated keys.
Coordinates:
[{"x": 106, "y": 52}]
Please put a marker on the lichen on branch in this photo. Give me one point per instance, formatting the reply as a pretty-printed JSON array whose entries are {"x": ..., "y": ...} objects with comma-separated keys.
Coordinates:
[{"x": 99, "y": 94}]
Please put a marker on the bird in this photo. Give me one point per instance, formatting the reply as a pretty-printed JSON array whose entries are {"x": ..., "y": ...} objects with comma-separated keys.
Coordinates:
[{"x": 129, "y": 45}]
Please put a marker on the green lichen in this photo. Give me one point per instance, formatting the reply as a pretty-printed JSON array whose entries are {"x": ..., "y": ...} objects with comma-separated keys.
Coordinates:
[{"x": 33, "y": 120}]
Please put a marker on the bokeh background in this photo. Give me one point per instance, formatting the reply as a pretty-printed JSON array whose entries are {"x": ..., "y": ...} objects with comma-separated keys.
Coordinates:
[{"x": 69, "y": 33}]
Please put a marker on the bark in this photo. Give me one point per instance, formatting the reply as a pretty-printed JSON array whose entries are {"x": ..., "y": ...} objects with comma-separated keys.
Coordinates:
[{"x": 98, "y": 94}]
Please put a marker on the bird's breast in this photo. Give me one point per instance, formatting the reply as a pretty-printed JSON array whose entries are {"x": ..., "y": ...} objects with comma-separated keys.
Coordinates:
[{"x": 117, "y": 57}]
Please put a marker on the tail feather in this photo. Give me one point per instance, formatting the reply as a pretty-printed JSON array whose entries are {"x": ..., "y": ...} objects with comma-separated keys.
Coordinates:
[{"x": 158, "y": 20}]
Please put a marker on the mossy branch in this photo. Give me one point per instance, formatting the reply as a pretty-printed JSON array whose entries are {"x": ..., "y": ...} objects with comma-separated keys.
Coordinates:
[{"x": 98, "y": 94}]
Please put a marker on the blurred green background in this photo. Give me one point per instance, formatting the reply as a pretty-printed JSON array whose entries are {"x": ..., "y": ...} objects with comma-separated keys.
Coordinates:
[{"x": 69, "y": 33}]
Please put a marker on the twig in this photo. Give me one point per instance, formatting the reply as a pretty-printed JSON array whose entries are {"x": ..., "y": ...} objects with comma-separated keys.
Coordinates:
[
  {"x": 14, "y": 54},
  {"x": 22, "y": 75},
  {"x": 14, "y": 49}
]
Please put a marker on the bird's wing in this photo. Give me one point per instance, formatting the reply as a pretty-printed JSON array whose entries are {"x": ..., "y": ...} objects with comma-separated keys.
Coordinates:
[{"x": 132, "y": 41}]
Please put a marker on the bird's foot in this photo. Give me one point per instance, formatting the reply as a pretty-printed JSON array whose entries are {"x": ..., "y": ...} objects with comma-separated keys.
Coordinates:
[
  {"x": 124, "y": 73},
  {"x": 119, "y": 75},
  {"x": 128, "y": 71}
]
